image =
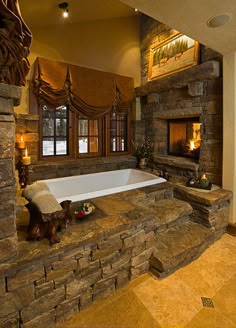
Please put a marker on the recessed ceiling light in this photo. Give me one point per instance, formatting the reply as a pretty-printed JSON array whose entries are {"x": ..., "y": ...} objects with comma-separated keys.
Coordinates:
[{"x": 219, "y": 20}]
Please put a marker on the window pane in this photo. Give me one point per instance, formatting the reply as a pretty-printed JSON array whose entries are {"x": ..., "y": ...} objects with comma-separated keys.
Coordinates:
[
  {"x": 48, "y": 127},
  {"x": 48, "y": 147},
  {"x": 93, "y": 127},
  {"x": 48, "y": 122},
  {"x": 83, "y": 145},
  {"x": 93, "y": 145},
  {"x": 61, "y": 127},
  {"x": 113, "y": 144},
  {"x": 61, "y": 147},
  {"x": 83, "y": 127}
]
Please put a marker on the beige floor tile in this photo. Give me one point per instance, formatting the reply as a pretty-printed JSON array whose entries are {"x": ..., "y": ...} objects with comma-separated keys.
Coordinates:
[
  {"x": 210, "y": 318},
  {"x": 125, "y": 311},
  {"x": 170, "y": 301},
  {"x": 212, "y": 269},
  {"x": 225, "y": 300}
]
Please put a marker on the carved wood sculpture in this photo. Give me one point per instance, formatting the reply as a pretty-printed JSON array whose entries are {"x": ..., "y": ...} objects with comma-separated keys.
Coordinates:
[
  {"x": 47, "y": 225},
  {"x": 15, "y": 42},
  {"x": 47, "y": 216}
]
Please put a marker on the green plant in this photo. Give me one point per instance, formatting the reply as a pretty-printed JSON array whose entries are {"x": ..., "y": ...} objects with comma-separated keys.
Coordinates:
[{"x": 144, "y": 150}]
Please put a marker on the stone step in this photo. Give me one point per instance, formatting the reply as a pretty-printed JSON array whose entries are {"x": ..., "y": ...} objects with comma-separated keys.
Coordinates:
[
  {"x": 178, "y": 246},
  {"x": 164, "y": 214},
  {"x": 170, "y": 212}
]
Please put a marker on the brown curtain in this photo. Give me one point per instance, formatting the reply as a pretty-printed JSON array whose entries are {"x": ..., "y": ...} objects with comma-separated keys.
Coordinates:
[{"x": 91, "y": 92}]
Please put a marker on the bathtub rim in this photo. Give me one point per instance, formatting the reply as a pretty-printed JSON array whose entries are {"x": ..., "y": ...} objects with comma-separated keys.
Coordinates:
[{"x": 105, "y": 192}]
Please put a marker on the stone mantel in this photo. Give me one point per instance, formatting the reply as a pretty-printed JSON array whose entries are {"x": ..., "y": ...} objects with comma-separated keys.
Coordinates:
[{"x": 205, "y": 71}]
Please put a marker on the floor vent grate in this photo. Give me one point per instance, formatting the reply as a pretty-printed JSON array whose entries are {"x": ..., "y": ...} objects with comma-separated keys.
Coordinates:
[{"x": 207, "y": 302}]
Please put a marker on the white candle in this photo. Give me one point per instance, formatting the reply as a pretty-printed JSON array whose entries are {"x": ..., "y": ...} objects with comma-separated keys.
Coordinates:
[
  {"x": 21, "y": 144},
  {"x": 26, "y": 160}
]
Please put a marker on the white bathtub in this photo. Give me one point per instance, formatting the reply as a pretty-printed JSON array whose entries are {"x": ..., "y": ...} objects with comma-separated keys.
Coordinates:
[{"x": 81, "y": 187}]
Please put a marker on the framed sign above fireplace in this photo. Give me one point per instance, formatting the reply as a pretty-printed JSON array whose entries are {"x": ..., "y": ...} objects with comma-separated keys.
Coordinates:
[{"x": 176, "y": 53}]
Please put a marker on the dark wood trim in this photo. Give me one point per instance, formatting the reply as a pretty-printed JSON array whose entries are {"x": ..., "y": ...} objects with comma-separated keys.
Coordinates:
[{"x": 231, "y": 229}]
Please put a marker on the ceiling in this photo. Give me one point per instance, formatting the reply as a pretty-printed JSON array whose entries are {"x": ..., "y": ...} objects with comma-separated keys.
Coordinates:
[
  {"x": 46, "y": 12},
  {"x": 187, "y": 16},
  {"x": 190, "y": 17}
]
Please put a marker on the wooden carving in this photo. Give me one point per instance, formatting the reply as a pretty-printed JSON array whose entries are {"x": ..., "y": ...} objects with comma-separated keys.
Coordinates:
[
  {"x": 47, "y": 225},
  {"x": 15, "y": 42}
]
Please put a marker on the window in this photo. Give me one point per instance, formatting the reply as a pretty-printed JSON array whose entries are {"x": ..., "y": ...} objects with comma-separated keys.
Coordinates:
[
  {"x": 54, "y": 131},
  {"x": 88, "y": 136},
  {"x": 67, "y": 134},
  {"x": 118, "y": 132}
]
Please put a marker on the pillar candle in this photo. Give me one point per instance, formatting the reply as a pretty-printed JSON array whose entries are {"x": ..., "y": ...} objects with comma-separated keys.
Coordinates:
[{"x": 26, "y": 160}]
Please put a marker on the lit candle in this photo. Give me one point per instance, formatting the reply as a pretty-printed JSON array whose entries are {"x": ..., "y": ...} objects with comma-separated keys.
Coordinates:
[
  {"x": 26, "y": 160},
  {"x": 21, "y": 144}
]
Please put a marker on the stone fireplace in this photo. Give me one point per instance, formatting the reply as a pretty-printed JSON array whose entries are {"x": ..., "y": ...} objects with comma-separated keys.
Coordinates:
[{"x": 182, "y": 112}]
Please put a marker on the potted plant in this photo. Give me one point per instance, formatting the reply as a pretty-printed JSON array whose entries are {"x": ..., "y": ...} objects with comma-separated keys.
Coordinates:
[{"x": 144, "y": 152}]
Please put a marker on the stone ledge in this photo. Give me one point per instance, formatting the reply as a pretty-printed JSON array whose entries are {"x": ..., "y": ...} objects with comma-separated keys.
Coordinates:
[
  {"x": 208, "y": 198},
  {"x": 27, "y": 117},
  {"x": 184, "y": 163},
  {"x": 206, "y": 71},
  {"x": 11, "y": 92}
]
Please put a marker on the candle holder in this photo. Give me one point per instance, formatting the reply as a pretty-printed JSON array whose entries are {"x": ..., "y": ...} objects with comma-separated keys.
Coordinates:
[
  {"x": 23, "y": 164},
  {"x": 23, "y": 175}
]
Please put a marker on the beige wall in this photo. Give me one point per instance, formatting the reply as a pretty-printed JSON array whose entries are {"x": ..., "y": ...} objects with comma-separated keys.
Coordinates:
[
  {"x": 108, "y": 45},
  {"x": 229, "y": 128}
]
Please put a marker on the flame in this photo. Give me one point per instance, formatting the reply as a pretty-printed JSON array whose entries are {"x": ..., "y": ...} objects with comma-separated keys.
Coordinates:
[
  {"x": 26, "y": 152},
  {"x": 192, "y": 145},
  {"x": 21, "y": 138}
]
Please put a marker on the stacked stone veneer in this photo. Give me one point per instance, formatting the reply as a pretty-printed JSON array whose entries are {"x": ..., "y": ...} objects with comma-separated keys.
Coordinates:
[
  {"x": 196, "y": 91},
  {"x": 9, "y": 96},
  {"x": 47, "y": 284}
]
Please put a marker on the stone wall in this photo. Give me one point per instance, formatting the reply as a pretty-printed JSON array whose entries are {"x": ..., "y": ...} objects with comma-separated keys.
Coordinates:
[
  {"x": 9, "y": 96},
  {"x": 28, "y": 126},
  {"x": 196, "y": 91}
]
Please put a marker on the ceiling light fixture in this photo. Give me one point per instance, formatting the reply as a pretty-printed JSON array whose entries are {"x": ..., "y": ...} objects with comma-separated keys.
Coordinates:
[
  {"x": 219, "y": 20},
  {"x": 65, "y": 7}
]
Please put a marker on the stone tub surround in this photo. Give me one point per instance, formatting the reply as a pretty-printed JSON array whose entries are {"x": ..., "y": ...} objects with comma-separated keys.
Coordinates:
[
  {"x": 9, "y": 97},
  {"x": 96, "y": 256}
]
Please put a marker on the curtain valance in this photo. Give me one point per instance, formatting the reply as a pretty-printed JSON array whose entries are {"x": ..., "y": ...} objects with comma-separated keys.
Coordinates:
[{"x": 91, "y": 92}]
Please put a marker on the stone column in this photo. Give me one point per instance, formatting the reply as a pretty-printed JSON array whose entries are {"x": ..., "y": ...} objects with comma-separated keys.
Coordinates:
[
  {"x": 9, "y": 97},
  {"x": 229, "y": 129}
]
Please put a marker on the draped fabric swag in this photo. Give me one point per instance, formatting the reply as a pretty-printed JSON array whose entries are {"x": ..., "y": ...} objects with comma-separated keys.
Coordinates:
[{"x": 91, "y": 92}]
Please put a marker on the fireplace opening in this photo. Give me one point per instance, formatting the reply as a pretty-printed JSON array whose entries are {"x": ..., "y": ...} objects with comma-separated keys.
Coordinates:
[{"x": 184, "y": 137}]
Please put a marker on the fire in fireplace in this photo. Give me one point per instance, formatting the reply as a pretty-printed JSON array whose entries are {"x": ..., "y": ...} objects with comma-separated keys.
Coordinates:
[{"x": 184, "y": 137}]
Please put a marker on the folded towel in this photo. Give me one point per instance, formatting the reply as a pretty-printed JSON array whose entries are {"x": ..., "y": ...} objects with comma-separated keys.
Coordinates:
[{"x": 39, "y": 194}]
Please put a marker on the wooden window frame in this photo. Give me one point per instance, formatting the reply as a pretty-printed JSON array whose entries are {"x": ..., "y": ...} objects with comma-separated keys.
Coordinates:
[
  {"x": 100, "y": 138},
  {"x": 104, "y": 136},
  {"x": 69, "y": 145},
  {"x": 128, "y": 136}
]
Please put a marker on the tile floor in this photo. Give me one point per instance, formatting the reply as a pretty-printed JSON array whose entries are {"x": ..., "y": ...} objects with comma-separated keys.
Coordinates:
[{"x": 175, "y": 301}]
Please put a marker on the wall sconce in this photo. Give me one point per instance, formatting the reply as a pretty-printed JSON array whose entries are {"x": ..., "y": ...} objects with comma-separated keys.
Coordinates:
[{"x": 65, "y": 8}]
